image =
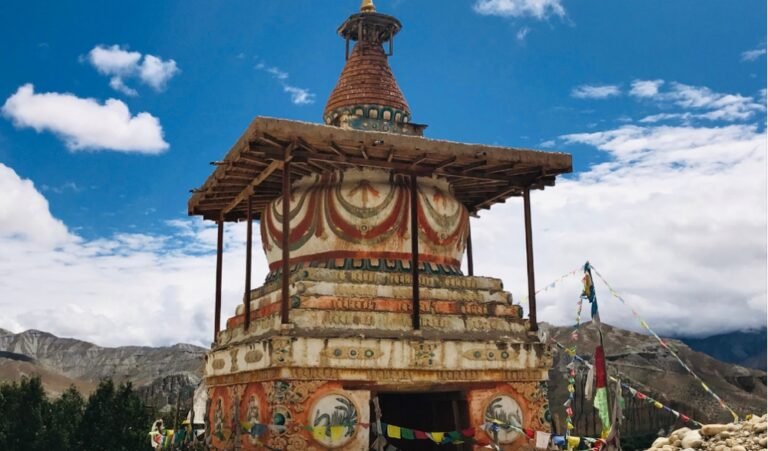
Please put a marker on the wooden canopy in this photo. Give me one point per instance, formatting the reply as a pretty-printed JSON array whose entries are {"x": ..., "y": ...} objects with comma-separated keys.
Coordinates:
[{"x": 479, "y": 175}]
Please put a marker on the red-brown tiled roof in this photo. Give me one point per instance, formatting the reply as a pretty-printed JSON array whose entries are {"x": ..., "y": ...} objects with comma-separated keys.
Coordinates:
[{"x": 366, "y": 80}]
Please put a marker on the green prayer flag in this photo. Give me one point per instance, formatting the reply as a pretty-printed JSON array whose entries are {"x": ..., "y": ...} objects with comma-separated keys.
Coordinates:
[{"x": 407, "y": 434}]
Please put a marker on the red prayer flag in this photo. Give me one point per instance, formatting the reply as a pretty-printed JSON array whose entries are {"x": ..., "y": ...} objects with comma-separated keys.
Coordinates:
[
  {"x": 420, "y": 435},
  {"x": 600, "y": 379},
  {"x": 468, "y": 432}
]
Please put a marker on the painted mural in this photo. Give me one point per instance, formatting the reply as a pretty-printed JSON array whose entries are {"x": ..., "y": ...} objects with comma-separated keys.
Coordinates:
[{"x": 364, "y": 215}]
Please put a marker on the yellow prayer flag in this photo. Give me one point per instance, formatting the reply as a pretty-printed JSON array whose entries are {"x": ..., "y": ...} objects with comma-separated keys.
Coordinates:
[
  {"x": 436, "y": 437},
  {"x": 570, "y": 426},
  {"x": 658, "y": 405},
  {"x": 573, "y": 442},
  {"x": 336, "y": 432},
  {"x": 393, "y": 431},
  {"x": 319, "y": 432}
]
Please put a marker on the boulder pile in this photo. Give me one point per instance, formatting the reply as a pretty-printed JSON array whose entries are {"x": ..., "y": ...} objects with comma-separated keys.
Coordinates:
[{"x": 747, "y": 435}]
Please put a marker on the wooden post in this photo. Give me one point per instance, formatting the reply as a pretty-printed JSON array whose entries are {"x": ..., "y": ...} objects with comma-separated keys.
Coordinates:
[
  {"x": 286, "y": 235},
  {"x": 529, "y": 255},
  {"x": 219, "y": 257},
  {"x": 248, "y": 258},
  {"x": 415, "y": 252},
  {"x": 470, "y": 262}
]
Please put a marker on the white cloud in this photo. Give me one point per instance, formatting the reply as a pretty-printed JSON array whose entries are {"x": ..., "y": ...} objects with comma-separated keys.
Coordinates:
[
  {"x": 752, "y": 55},
  {"x": 675, "y": 220},
  {"x": 540, "y": 9},
  {"x": 114, "y": 60},
  {"x": 155, "y": 72},
  {"x": 120, "y": 64},
  {"x": 117, "y": 84},
  {"x": 299, "y": 96},
  {"x": 85, "y": 124},
  {"x": 522, "y": 33},
  {"x": 645, "y": 88},
  {"x": 699, "y": 102},
  {"x": 595, "y": 91},
  {"x": 119, "y": 290}
]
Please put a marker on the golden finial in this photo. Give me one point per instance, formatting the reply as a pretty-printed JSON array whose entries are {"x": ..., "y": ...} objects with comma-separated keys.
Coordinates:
[{"x": 367, "y": 6}]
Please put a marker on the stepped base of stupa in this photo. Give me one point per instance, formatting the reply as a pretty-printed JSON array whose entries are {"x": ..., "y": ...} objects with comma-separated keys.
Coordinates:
[{"x": 351, "y": 339}]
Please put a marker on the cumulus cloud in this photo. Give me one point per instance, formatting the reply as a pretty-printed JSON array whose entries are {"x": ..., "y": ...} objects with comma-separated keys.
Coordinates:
[
  {"x": 120, "y": 64},
  {"x": 128, "y": 288},
  {"x": 675, "y": 220},
  {"x": 539, "y": 9},
  {"x": 753, "y": 55},
  {"x": 595, "y": 91},
  {"x": 299, "y": 96},
  {"x": 85, "y": 124}
]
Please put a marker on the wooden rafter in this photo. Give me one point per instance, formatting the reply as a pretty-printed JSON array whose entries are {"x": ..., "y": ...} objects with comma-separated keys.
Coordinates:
[{"x": 276, "y": 164}]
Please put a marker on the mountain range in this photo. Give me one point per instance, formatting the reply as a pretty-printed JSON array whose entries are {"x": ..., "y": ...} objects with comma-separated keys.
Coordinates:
[{"x": 165, "y": 376}]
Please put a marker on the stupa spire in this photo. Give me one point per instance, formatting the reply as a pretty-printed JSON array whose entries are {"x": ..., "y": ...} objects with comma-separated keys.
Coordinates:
[
  {"x": 367, "y": 6},
  {"x": 367, "y": 96}
]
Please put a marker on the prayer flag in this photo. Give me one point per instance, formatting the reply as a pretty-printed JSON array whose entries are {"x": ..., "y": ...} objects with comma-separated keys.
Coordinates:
[
  {"x": 393, "y": 431},
  {"x": 420, "y": 435},
  {"x": 542, "y": 440},
  {"x": 407, "y": 433},
  {"x": 436, "y": 437},
  {"x": 454, "y": 437},
  {"x": 573, "y": 442},
  {"x": 601, "y": 394}
]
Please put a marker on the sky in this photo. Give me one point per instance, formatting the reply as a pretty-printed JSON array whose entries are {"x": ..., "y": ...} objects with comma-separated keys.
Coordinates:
[{"x": 110, "y": 112}]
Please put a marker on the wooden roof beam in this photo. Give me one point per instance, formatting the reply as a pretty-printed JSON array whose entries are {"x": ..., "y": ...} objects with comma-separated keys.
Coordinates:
[
  {"x": 276, "y": 164},
  {"x": 445, "y": 163}
]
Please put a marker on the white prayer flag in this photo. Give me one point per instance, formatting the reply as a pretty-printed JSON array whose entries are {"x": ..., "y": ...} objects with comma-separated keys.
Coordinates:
[{"x": 542, "y": 440}]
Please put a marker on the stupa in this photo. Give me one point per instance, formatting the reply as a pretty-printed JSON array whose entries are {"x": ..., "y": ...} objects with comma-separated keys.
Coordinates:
[{"x": 364, "y": 223}]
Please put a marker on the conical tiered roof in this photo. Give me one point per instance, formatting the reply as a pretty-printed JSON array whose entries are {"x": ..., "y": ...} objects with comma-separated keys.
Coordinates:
[{"x": 367, "y": 96}]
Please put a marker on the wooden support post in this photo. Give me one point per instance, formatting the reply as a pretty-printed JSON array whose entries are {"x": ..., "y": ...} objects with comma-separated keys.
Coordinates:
[
  {"x": 248, "y": 258},
  {"x": 529, "y": 255},
  {"x": 286, "y": 235},
  {"x": 470, "y": 261},
  {"x": 219, "y": 257},
  {"x": 415, "y": 251}
]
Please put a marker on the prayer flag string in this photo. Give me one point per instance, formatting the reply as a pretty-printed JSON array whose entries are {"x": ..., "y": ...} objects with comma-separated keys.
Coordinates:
[
  {"x": 664, "y": 345},
  {"x": 634, "y": 392}
]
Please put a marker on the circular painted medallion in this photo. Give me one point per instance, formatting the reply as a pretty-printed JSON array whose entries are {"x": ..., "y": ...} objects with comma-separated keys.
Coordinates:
[
  {"x": 504, "y": 411},
  {"x": 334, "y": 420}
]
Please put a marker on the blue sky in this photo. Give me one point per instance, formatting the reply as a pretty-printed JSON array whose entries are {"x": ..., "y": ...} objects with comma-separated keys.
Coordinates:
[{"x": 611, "y": 82}]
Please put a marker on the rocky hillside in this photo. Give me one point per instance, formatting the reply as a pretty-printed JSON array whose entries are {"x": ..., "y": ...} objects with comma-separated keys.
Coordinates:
[
  {"x": 160, "y": 374},
  {"x": 640, "y": 361}
]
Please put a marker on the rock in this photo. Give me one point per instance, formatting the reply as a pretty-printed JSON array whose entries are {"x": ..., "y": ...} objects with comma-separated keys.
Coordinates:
[
  {"x": 738, "y": 448},
  {"x": 730, "y": 442},
  {"x": 763, "y": 442},
  {"x": 720, "y": 447},
  {"x": 709, "y": 430},
  {"x": 760, "y": 427},
  {"x": 659, "y": 442},
  {"x": 725, "y": 434},
  {"x": 693, "y": 440}
]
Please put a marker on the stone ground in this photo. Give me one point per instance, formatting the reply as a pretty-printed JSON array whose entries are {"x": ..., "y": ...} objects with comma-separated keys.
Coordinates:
[{"x": 747, "y": 435}]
